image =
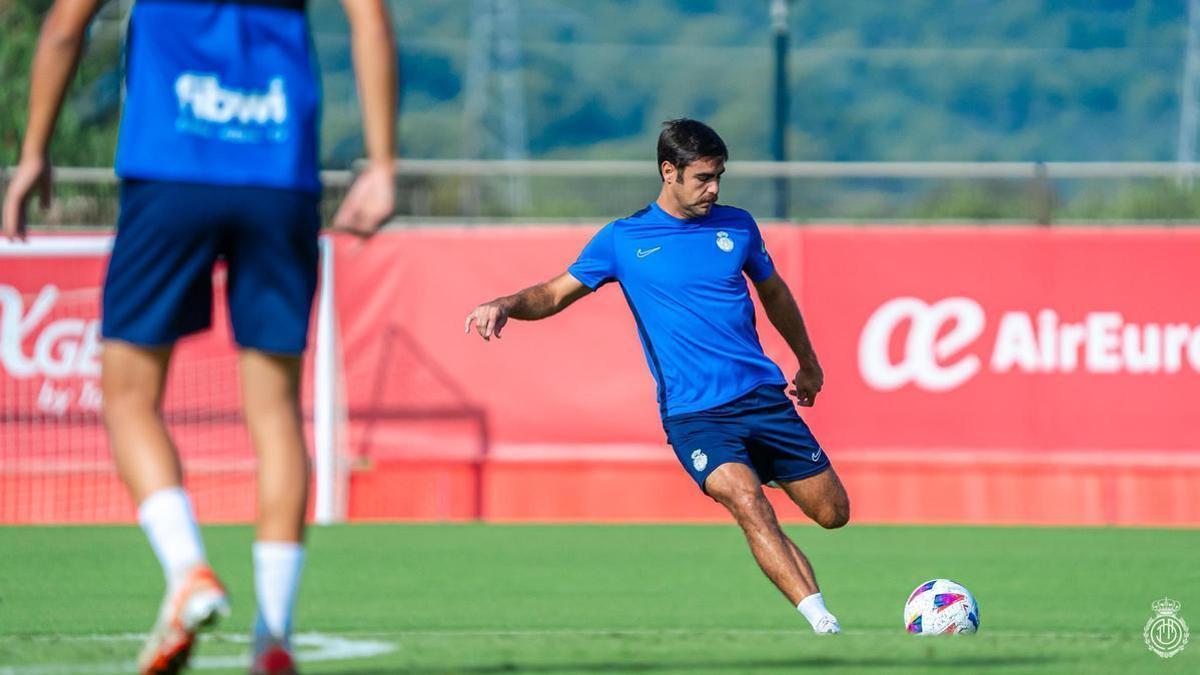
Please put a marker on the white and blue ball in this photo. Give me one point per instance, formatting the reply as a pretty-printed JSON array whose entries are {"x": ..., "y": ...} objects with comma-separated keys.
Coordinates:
[{"x": 941, "y": 607}]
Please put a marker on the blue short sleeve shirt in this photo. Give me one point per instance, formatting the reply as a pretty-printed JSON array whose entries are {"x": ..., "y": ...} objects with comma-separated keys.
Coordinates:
[{"x": 685, "y": 282}]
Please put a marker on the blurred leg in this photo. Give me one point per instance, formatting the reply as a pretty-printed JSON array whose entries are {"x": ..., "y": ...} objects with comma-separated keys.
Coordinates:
[
  {"x": 271, "y": 398},
  {"x": 272, "y": 254},
  {"x": 271, "y": 395},
  {"x": 132, "y": 380}
]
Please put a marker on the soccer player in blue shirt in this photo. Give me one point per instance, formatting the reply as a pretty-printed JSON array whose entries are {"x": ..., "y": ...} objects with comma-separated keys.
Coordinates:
[
  {"x": 681, "y": 263},
  {"x": 218, "y": 159}
]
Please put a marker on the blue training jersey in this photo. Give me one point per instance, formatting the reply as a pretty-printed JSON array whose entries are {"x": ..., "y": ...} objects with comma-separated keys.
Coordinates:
[
  {"x": 220, "y": 92},
  {"x": 683, "y": 280}
]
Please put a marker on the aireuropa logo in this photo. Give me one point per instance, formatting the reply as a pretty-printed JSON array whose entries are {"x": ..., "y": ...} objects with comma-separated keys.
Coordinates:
[
  {"x": 208, "y": 108},
  {"x": 936, "y": 356},
  {"x": 1166, "y": 634},
  {"x": 62, "y": 348}
]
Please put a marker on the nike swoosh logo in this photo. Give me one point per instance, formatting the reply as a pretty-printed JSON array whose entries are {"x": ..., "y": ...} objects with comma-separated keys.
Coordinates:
[
  {"x": 643, "y": 254},
  {"x": 817, "y": 455}
]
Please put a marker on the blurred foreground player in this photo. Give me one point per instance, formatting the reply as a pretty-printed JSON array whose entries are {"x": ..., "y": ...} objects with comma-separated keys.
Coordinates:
[
  {"x": 680, "y": 263},
  {"x": 218, "y": 159}
]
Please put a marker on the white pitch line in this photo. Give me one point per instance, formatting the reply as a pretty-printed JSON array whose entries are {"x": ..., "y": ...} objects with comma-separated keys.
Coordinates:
[
  {"x": 310, "y": 647},
  {"x": 651, "y": 632},
  {"x": 313, "y": 647},
  {"x": 584, "y": 632}
]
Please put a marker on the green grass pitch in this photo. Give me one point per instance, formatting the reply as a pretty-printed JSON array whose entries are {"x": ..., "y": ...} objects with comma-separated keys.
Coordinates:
[{"x": 625, "y": 599}]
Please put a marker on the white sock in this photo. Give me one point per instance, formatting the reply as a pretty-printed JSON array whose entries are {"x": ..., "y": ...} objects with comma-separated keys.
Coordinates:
[
  {"x": 169, "y": 522},
  {"x": 277, "y": 566},
  {"x": 813, "y": 609}
]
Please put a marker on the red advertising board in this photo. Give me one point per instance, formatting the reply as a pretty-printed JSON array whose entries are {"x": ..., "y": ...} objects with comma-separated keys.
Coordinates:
[
  {"x": 1040, "y": 340},
  {"x": 1016, "y": 339},
  {"x": 1020, "y": 374}
]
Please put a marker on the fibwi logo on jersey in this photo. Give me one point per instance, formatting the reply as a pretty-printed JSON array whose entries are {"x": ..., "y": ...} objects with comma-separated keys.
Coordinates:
[{"x": 210, "y": 109}]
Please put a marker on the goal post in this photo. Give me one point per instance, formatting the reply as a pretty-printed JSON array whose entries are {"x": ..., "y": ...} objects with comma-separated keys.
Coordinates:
[{"x": 332, "y": 472}]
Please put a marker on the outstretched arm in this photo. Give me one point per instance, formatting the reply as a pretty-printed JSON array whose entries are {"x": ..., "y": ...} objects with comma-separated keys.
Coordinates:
[
  {"x": 372, "y": 197},
  {"x": 784, "y": 314},
  {"x": 58, "y": 48},
  {"x": 533, "y": 303}
]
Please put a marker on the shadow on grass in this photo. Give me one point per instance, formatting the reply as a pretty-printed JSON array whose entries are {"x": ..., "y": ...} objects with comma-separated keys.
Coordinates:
[{"x": 962, "y": 663}]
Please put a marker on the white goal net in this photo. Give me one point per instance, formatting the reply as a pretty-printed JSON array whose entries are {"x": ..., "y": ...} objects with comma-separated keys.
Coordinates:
[{"x": 55, "y": 465}]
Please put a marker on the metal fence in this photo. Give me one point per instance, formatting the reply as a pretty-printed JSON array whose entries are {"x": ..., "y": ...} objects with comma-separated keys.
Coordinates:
[{"x": 433, "y": 191}]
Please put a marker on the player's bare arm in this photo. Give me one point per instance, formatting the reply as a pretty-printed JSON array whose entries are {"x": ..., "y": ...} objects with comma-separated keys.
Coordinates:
[
  {"x": 372, "y": 198},
  {"x": 536, "y": 302},
  {"x": 784, "y": 314},
  {"x": 59, "y": 45}
]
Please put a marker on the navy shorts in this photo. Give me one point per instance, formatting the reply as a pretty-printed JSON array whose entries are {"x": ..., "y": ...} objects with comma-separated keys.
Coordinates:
[
  {"x": 760, "y": 429},
  {"x": 158, "y": 287}
]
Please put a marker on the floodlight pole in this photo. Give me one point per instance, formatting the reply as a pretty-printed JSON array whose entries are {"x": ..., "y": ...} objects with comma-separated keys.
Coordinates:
[
  {"x": 1188, "y": 113},
  {"x": 779, "y": 28},
  {"x": 512, "y": 97},
  {"x": 475, "y": 101}
]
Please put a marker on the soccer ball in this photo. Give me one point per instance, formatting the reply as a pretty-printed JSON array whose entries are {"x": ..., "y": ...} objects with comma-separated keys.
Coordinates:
[{"x": 941, "y": 607}]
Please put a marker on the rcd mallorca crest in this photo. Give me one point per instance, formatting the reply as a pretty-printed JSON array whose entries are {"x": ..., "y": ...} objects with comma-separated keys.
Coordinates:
[
  {"x": 724, "y": 242},
  {"x": 1166, "y": 634}
]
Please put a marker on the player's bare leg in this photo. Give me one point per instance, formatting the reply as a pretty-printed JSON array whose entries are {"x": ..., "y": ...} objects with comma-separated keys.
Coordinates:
[
  {"x": 802, "y": 562},
  {"x": 737, "y": 488},
  {"x": 821, "y": 497},
  {"x": 271, "y": 400},
  {"x": 132, "y": 381},
  {"x": 271, "y": 396}
]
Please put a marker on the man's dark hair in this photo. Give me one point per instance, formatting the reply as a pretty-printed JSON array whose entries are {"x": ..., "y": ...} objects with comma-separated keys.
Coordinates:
[{"x": 684, "y": 141}]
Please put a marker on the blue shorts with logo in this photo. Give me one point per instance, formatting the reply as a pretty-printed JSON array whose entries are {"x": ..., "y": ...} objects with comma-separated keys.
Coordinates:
[
  {"x": 158, "y": 287},
  {"x": 760, "y": 429}
]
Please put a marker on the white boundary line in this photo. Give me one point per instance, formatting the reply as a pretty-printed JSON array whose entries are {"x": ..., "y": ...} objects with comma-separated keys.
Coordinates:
[
  {"x": 653, "y": 632},
  {"x": 321, "y": 639},
  {"x": 310, "y": 648},
  {"x": 54, "y": 246},
  {"x": 313, "y": 647},
  {"x": 978, "y": 457}
]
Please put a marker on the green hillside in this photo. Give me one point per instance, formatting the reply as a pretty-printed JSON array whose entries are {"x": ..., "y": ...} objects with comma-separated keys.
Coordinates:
[{"x": 870, "y": 80}]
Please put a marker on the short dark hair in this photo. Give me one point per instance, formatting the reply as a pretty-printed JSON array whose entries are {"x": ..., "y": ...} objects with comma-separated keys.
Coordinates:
[{"x": 684, "y": 141}]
